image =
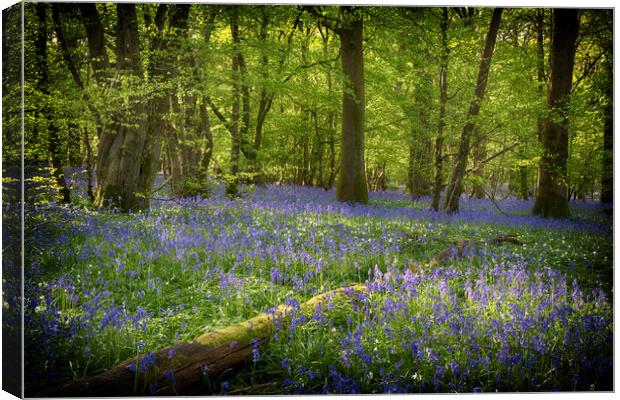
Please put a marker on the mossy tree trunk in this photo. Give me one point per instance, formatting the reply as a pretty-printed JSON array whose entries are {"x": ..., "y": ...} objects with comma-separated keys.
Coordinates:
[{"x": 551, "y": 193}]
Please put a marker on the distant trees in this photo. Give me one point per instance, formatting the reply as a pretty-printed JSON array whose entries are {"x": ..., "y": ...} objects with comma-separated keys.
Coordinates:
[
  {"x": 250, "y": 94},
  {"x": 551, "y": 192}
]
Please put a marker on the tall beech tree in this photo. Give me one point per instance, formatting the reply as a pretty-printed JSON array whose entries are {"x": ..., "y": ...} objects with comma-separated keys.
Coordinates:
[
  {"x": 351, "y": 185},
  {"x": 352, "y": 180},
  {"x": 455, "y": 187},
  {"x": 551, "y": 191}
]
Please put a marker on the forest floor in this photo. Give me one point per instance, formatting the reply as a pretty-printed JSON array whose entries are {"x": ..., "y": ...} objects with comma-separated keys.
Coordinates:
[{"x": 530, "y": 314}]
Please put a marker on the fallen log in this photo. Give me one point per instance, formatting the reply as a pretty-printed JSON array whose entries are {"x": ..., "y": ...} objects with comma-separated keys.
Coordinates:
[{"x": 188, "y": 367}]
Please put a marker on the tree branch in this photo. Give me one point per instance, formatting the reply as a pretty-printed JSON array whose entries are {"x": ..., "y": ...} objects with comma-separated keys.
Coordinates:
[
  {"x": 314, "y": 64},
  {"x": 218, "y": 114},
  {"x": 331, "y": 23},
  {"x": 454, "y": 94},
  {"x": 586, "y": 71},
  {"x": 499, "y": 153}
]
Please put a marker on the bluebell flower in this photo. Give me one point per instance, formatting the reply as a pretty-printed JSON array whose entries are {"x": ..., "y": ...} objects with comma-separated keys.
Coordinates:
[
  {"x": 147, "y": 361},
  {"x": 169, "y": 376},
  {"x": 255, "y": 353}
]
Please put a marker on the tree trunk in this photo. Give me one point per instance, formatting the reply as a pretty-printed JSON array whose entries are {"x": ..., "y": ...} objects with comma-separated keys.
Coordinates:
[
  {"x": 53, "y": 138},
  {"x": 524, "y": 188},
  {"x": 266, "y": 98},
  {"x": 319, "y": 149},
  {"x": 264, "y": 104},
  {"x": 479, "y": 153},
  {"x": 456, "y": 181},
  {"x": 551, "y": 196},
  {"x": 162, "y": 67},
  {"x": 68, "y": 45},
  {"x": 232, "y": 183},
  {"x": 540, "y": 64},
  {"x": 205, "y": 129},
  {"x": 332, "y": 150},
  {"x": 125, "y": 162},
  {"x": 190, "y": 144},
  {"x": 88, "y": 161},
  {"x": 248, "y": 149},
  {"x": 204, "y": 126},
  {"x": 443, "y": 99},
  {"x": 420, "y": 158},
  {"x": 160, "y": 106},
  {"x": 607, "y": 181},
  {"x": 96, "y": 42},
  {"x": 352, "y": 185}
]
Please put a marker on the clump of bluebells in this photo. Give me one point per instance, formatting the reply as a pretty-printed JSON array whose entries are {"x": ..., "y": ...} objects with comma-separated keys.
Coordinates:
[
  {"x": 452, "y": 330},
  {"x": 104, "y": 286}
]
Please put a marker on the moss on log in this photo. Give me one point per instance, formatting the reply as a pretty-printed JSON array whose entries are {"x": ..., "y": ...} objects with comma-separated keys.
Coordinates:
[{"x": 188, "y": 367}]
